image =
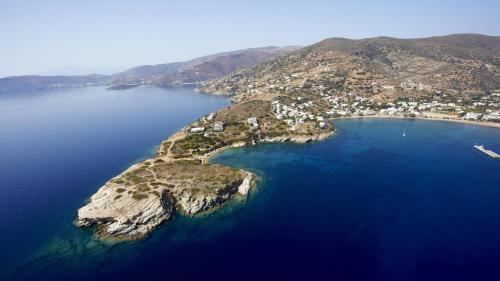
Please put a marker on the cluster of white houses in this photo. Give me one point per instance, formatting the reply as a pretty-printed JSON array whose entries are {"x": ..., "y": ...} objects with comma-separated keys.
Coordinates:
[
  {"x": 297, "y": 113},
  {"x": 217, "y": 126},
  {"x": 302, "y": 109},
  {"x": 493, "y": 116},
  {"x": 349, "y": 104}
]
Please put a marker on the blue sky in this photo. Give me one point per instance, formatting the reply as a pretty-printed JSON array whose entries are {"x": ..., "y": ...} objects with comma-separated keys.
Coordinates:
[{"x": 42, "y": 35}]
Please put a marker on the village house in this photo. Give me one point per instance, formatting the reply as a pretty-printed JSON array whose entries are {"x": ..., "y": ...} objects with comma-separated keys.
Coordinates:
[
  {"x": 197, "y": 130},
  {"x": 218, "y": 126},
  {"x": 493, "y": 116},
  {"x": 473, "y": 116},
  {"x": 254, "y": 122}
]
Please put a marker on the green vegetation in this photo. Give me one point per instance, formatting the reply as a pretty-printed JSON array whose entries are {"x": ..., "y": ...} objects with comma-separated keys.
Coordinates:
[
  {"x": 186, "y": 177},
  {"x": 188, "y": 162},
  {"x": 195, "y": 144},
  {"x": 135, "y": 179},
  {"x": 120, "y": 190},
  {"x": 139, "y": 196},
  {"x": 143, "y": 188},
  {"x": 272, "y": 134}
]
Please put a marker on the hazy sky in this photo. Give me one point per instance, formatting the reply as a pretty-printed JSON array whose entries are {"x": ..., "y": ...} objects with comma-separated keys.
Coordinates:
[{"x": 40, "y": 35}]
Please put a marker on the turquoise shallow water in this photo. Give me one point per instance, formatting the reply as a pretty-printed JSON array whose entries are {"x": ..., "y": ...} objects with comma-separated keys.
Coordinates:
[{"x": 366, "y": 204}]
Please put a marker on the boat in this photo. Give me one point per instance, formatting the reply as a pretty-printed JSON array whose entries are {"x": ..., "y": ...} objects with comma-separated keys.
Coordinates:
[{"x": 404, "y": 133}]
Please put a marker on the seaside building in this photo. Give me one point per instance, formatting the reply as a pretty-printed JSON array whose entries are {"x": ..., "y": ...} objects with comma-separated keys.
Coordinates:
[
  {"x": 197, "y": 130},
  {"x": 473, "y": 116}
]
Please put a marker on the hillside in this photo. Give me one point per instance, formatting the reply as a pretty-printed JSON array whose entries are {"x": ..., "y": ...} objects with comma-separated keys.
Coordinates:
[
  {"x": 187, "y": 72},
  {"x": 199, "y": 69},
  {"x": 382, "y": 66},
  {"x": 295, "y": 98}
]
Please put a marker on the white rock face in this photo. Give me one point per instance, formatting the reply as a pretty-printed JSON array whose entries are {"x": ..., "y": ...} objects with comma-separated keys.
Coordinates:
[
  {"x": 132, "y": 218},
  {"x": 121, "y": 216},
  {"x": 192, "y": 203},
  {"x": 246, "y": 184},
  {"x": 298, "y": 138}
]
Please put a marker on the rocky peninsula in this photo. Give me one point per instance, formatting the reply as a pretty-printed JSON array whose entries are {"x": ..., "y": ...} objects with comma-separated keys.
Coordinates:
[
  {"x": 294, "y": 97},
  {"x": 179, "y": 178}
]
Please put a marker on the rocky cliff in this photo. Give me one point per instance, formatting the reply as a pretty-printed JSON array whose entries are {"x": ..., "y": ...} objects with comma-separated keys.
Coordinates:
[{"x": 146, "y": 195}]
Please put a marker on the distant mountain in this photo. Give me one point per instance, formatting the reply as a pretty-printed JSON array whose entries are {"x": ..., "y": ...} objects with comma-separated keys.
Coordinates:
[
  {"x": 192, "y": 71},
  {"x": 382, "y": 65},
  {"x": 373, "y": 66},
  {"x": 199, "y": 69},
  {"x": 81, "y": 70},
  {"x": 34, "y": 82}
]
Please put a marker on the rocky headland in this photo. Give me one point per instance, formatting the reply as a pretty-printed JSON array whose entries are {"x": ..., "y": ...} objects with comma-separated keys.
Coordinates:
[
  {"x": 294, "y": 97},
  {"x": 180, "y": 178}
]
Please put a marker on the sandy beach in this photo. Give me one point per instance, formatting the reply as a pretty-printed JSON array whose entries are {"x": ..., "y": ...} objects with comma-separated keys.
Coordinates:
[{"x": 469, "y": 122}]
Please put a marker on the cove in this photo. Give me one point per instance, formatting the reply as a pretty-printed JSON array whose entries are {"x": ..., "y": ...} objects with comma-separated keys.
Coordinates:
[{"x": 366, "y": 204}]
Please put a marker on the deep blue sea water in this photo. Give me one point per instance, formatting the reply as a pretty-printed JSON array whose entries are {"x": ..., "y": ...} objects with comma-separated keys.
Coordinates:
[{"x": 366, "y": 204}]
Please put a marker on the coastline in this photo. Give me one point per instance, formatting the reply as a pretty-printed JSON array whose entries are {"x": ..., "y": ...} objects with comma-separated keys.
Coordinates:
[
  {"x": 181, "y": 179},
  {"x": 293, "y": 139},
  {"x": 462, "y": 121}
]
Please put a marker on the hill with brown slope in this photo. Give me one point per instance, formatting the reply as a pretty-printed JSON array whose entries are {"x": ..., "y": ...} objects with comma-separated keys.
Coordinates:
[
  {"x": 382, "y": 65},
  {"x": 199, "y": 69}
]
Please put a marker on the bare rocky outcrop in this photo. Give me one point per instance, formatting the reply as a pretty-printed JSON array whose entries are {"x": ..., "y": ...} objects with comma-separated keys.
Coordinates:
[
  {"x": 124, "y": 218},
  {"x": 299, "y": 138},
  {"x": 146, "y": 195}
]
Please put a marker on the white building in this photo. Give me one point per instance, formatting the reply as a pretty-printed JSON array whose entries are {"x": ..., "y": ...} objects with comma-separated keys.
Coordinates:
[
  {"x": 197, "y": 129},
  {"x": 472, "y": 116},
  {"x": 219, "y": 126},
  {"x": 389, "y": 111},
  {"x": 494, "y": 116},
  {"x": 253, "y": 121}
]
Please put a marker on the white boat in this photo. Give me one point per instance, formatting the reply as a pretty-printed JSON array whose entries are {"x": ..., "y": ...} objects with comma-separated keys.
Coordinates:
[{"x": 404, "y": 133}]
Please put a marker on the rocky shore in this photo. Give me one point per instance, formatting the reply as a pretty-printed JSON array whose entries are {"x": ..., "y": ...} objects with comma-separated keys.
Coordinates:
[
  {"x": 180, "y": 179},
  {"x": 133, "y": 204}
]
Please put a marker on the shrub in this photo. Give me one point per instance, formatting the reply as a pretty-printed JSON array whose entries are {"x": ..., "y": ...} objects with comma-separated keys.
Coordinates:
[{"x": 139, "y": 196}]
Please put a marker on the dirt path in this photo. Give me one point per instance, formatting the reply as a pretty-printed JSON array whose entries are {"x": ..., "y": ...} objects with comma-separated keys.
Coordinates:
[{"x": 175, "y": 137}]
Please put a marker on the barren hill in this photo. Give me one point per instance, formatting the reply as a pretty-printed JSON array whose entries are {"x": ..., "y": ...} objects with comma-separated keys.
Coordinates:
[
  {"x": 382, "y": 65},
  {"x": 199, "y": 69}
]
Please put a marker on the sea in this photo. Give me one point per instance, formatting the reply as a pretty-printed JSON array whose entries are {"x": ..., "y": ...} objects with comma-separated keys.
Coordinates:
[{"x": 365, "y": 204}]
